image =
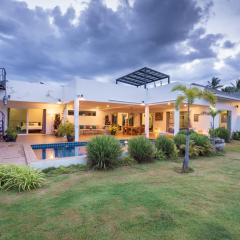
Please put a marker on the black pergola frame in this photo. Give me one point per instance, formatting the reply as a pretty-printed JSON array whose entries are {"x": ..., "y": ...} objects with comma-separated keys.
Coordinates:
[{"x": 142, "y": 77}]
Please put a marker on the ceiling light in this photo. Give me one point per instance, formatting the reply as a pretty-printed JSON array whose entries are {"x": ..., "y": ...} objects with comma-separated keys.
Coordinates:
[{"x": 81, "y": 98}]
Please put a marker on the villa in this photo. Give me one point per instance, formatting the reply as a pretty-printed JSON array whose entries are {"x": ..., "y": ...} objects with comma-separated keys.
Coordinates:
[{"x": 139, "y": 103}]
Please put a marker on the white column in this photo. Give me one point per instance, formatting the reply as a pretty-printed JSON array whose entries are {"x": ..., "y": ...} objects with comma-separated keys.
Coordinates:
[
  {"x": 27, "y": 121},
  {"x": 147, "y": 121},
  {"x": 176, "y": 121},
  {"x": 76, "y": 119},
  {"x": 65, "y": 113}
]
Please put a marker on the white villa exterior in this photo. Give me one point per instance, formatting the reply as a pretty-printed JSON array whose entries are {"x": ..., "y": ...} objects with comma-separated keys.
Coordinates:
[{"x": 92, "y": 105}]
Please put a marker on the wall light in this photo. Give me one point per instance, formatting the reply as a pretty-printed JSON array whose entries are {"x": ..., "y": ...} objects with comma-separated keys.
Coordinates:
[
  {"x": 142, "y": 104},
  {"x": 185, "y": 105},
  {"x": 81, "y": 97},
  {"x": 59, "y": 101}
]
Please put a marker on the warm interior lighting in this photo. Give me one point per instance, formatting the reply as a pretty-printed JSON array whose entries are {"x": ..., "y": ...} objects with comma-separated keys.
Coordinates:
[
  {"x": 185, "y": 105},
  {"x": 108, "y": 106},
  {"x": 168, "y": 103}
]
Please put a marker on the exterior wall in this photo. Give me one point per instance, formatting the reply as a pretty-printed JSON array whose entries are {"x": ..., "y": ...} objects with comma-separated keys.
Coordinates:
[
  {"x": 201, "y": 126},
  {"x": 97, "y": 120}
]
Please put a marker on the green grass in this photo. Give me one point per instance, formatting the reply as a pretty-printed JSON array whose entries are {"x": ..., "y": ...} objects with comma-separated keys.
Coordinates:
[{"x": 149, "y": 201}]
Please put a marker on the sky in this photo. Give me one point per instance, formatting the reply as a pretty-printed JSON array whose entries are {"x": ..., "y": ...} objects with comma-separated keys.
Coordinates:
[{"x": 59, "y": 40}]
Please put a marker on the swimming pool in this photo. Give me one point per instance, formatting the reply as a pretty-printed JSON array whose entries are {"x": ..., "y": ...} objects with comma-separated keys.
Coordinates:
[{"x": 61, "y": 150}]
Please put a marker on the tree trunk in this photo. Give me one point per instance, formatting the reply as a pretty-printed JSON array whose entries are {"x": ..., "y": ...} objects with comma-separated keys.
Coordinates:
[{"x": 186, "y": 157}]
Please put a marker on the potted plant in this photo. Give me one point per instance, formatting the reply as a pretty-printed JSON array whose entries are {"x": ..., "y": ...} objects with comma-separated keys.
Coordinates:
[
  {"x": 113, "y": 129},
  {"x": 66, "y": 129},
  {"x": 11, "y": 135}
]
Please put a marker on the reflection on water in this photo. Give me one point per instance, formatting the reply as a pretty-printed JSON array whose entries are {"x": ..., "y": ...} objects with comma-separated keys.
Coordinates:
[{"x": 60, "y": 152}]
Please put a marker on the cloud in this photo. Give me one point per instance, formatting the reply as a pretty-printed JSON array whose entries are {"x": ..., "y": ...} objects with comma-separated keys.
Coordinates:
[
  {"x": 229, "y": 44},
  {"x": 47, "y": 44}
]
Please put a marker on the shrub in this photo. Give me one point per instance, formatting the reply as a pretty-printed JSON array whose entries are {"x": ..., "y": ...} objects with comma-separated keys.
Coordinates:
[
  {"x": 160, "y": 156},
  {"x": 20, "y": 178},
  {"x": 64, "y": 170},
  {"x": 222, "y": 133},
  {"x": 103, "y": 152},
  {"x": 126, "y": 161},
  {"x": 199, "y": 144},
  {"x": 65, "y": 129},
  {"x": 236, "y": 135},
  {"x": 11, "y": 135},
  {"x": 141, "y": 149},
  {"x": 167, "y": 146}
]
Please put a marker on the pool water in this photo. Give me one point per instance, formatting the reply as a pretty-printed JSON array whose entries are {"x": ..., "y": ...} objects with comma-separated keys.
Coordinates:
[{"x": 61, "y": 150}]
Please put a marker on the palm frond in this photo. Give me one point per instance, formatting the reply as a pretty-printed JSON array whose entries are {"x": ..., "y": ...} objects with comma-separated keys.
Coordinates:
[
  {"x": 209, "y": 96},
  {"x": 180, "y": 88},
  {"x": 180, "y": 100}
]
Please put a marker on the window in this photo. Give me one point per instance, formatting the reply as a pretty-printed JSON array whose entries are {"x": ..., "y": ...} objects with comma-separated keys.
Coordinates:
[
  {"x": 82, "y": 113},
  {"x": 158, "y": 116},
  {"x": 196, "y": 117}
]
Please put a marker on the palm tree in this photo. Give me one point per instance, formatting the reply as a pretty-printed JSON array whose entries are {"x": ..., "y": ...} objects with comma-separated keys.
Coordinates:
[
  {"x": 213, "y": 112},
  {"x": 214, "y": 83},
  {"x": 234, "y": 88},
  {"x": 189, "y": 95}
]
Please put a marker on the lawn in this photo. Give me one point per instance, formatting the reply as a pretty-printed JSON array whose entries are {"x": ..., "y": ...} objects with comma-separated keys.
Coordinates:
[{"x": 148, "y": 201}]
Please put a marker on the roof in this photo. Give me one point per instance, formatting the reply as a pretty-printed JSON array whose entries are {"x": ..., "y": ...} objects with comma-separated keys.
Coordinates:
[
  {"x": 142, "y": 77},
  {"x": 219, "y": 93}
]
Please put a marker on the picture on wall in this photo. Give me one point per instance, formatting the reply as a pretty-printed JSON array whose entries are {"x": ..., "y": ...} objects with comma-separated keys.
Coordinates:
[{"x": 158, "y": 116}]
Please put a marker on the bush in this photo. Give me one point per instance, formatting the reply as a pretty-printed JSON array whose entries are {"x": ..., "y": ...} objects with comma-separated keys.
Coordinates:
[
  {"x": 64, "y": 170},
  {"x": 199, "y": 144},
  {"x": 167, "y": 146},
  {"x": 160, "y": 156},
  {"x": 236, "y": 135},
  {"x": 65, "y": 129},
  {"x": 20, "y": 178},
  {"x": 103, "y": 152},
  {"x": 141, "y": 149},
  {"x": 11, "y": 135},
  {"x": 126, "y": 161},
  {"x": 222, "y": 133}
]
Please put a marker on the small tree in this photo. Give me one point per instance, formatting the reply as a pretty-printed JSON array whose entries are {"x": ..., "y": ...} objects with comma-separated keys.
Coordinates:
[
  {"x": 213, "y": 112},
  {"x": 189, "y": 95}
]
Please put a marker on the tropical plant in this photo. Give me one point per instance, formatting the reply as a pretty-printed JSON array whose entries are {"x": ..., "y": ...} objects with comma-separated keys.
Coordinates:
[
  {"x": 113, "y": 129},
  {"x": 213, "y": 112},
  {"x": 166, "y": 146},
  {"x": 222, "y": 133},
  {"x": 236, "y": 135},
  {"x": 235, "y": 87},
  {"x": 20, "y": 178},
  {"x": 199, "y": 144},
  {"x": 188, "y": 96},
  {"x": 214, "y": 83},
  {"x": 66, "y": 129},
  {"x": 141, "y": 149},
  {"x": 103, "y": 152},
  {"x": 11, "y": 135}
]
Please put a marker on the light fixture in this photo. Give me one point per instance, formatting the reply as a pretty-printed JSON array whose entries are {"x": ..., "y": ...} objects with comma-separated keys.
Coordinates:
[
  {"x": 108, "y": 106},
  {"x": 185, "y": 105},
  {"x": 168, "y": 103},
  {"x": 81, "y": 98},
  {"x": 59, "y": 101},
  {"x": 5, "y": 99},
  {"x": 142, "y": 104}
]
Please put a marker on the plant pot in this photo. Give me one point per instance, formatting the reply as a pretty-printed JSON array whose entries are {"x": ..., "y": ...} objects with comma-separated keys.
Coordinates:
[
  {"x": 8, "y": 138},
  {"x": 113, "y": 133},
  {"x": 70, "y": 138}
]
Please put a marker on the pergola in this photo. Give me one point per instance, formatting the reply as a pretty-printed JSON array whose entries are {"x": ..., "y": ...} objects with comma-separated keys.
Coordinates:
[{"x": 142, "y": 77}]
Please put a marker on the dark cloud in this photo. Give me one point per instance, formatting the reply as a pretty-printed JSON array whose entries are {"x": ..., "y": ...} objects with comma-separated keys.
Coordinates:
[
  {"x": 229, "y": 44},
  {"x": 47, "y": 44}
]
